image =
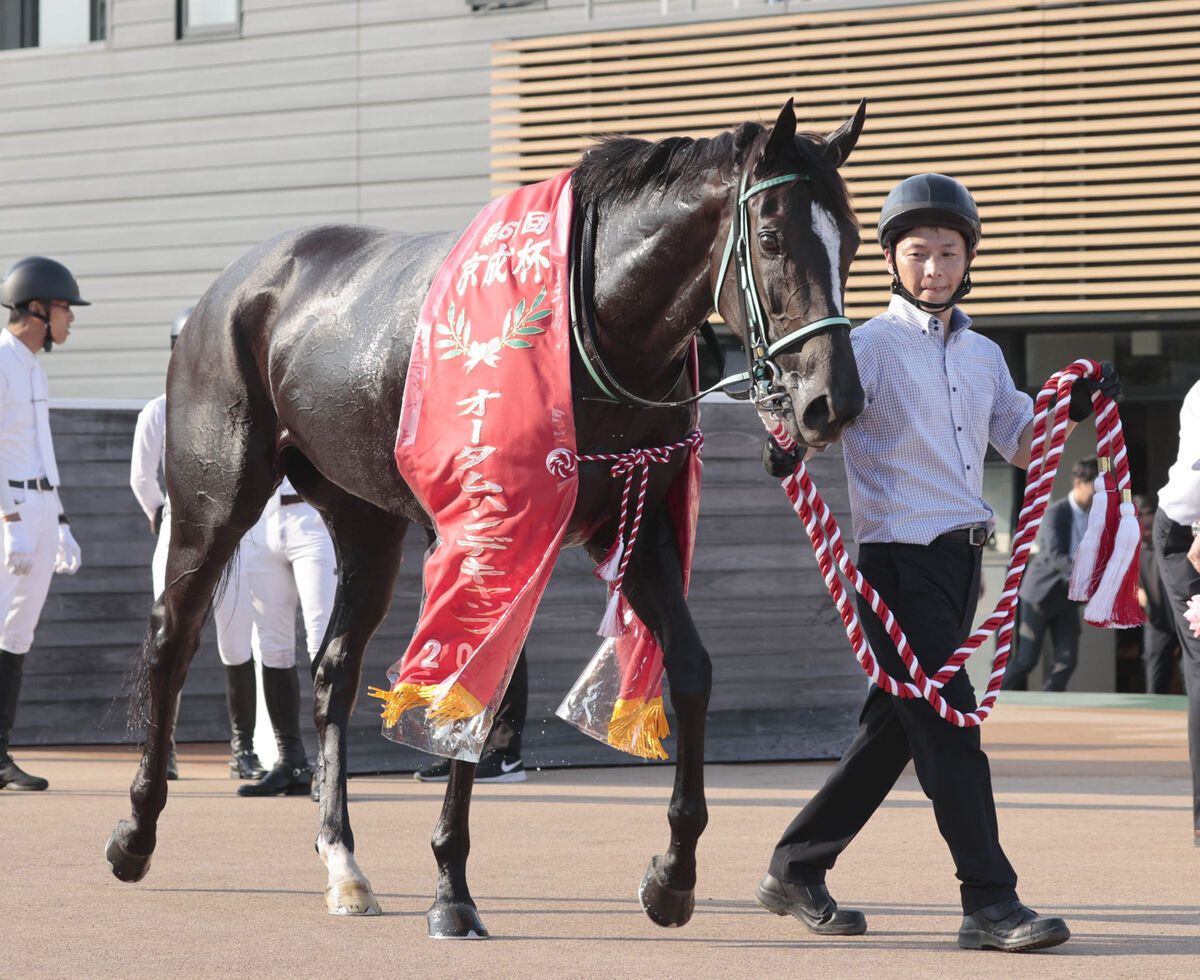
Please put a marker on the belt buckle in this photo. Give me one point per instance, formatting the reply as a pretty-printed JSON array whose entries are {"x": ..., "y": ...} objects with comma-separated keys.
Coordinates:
[{"x": 977, "y": 536}]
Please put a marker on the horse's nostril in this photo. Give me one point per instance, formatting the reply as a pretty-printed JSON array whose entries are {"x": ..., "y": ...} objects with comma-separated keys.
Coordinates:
[{"x": 816, "y": 414}]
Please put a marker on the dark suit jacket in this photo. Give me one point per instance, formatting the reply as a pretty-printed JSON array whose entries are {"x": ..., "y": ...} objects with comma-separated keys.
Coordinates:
[{"x": 1048, "y": 574}]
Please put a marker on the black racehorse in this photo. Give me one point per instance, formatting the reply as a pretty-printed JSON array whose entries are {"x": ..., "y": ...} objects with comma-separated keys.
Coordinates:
[{"x": 294, "y": 363}]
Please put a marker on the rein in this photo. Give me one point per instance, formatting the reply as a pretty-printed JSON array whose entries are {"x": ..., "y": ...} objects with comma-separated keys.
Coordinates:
[
  {"x": 826, "y": 538},
  {"x": 761, "y": 372}
]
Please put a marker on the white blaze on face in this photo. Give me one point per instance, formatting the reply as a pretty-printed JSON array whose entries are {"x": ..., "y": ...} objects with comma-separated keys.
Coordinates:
[{"x": 826, "y": 229}]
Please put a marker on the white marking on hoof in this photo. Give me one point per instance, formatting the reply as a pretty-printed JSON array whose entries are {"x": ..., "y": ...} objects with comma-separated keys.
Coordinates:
[{"x": 351, "y": 898}]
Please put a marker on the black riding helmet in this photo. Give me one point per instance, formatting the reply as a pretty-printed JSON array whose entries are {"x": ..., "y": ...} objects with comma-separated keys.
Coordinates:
[
  {"x": 37, "y": 277},
  {"x": 43, "y": 279},
  {"x": 930, "y": 199}
]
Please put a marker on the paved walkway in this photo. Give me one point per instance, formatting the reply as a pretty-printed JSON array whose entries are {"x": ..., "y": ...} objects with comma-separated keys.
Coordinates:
[{"x": 1094, "y": 813}]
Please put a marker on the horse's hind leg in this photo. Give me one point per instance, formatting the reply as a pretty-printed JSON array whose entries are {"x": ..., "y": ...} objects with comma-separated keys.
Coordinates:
[
  {"x": 368, "y": 542},
  {"x": 218, "y": 485},
  {"x": 654, "y": 587},
  {"x": 193, "y": 570}
]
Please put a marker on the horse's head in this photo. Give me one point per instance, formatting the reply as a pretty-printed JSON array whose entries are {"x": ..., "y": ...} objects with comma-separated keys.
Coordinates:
[{"x": 793, "y": 235}]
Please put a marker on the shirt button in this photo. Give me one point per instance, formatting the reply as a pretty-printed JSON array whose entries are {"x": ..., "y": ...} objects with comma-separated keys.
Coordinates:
[
  {"x": 960, "y": 428},
  {"x": 954, "y": 389},
  {"x": 968, "y": 467}
]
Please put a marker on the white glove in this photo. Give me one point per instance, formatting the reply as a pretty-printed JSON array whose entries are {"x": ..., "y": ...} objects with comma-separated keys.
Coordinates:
[
  {"x": 18, "y": 549},
  {"x": 69, "y": 556}
]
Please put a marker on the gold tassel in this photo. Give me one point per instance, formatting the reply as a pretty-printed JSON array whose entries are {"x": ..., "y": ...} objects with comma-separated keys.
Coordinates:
[
  {"x": 454, "y": 705},
  {"x": 400, "y": 700},
  {"x": 638, "y": 727}
]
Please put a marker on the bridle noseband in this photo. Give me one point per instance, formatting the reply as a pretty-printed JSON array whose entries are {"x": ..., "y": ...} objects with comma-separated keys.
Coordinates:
[{"x": 762, "y": 375}]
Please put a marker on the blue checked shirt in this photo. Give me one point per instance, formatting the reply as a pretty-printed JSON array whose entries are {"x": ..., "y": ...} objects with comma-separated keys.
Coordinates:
[{"x": 914, "y": 458}]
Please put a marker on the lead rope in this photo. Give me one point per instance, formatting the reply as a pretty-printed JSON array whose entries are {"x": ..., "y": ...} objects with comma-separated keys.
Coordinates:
[{"x": 826, "y": 539}]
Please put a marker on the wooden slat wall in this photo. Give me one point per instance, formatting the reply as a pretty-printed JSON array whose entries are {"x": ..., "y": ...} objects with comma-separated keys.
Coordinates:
[
  {"x": 785, "y": 682},
  {"x": 1077, "y": 127}
]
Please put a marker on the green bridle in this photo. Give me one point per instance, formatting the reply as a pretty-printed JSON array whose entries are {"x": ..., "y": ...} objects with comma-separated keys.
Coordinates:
[{"x": 761, "y": 372}]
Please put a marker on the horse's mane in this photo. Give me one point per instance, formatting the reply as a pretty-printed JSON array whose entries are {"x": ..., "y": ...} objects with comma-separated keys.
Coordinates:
[{"x": 618, "y": 169}]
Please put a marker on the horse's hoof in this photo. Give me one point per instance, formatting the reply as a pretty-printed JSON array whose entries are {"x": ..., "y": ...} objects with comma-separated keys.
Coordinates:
[
  {"x": 666, "y": 906},
  {"x": 455, "y": 921},
  {"x": 125, "y": 865},
  {"x": 351, "y": 897}
]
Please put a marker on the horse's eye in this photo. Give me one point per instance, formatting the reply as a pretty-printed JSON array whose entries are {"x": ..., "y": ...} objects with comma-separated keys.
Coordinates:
[{"x": 769, "y": 241}]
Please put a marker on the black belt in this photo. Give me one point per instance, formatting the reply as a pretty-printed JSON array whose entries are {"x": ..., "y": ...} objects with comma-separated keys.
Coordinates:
[
  {"x": 41, "y": 483},
  {"x": 290, "y": 498},
  {"x": 975, "y": 536}
]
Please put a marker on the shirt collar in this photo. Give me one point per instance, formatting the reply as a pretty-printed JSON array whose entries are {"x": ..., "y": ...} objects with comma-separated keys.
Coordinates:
[
  {"x": 918, "y": 319},
  {"x": 23, "y": 353}
]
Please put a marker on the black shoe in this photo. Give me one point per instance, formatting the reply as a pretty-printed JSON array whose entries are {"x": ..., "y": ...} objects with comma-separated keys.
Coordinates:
[
  {"x": 283, "y": 780},
  {"x": 1012, "y": 927},
  {"x": 494, "y": 767},
  {"x": 172, "y": 763},
  {"x": 811, "y": 904},
  {"x": 13, "y": 776},
  {"x": 245, "y": 765}
]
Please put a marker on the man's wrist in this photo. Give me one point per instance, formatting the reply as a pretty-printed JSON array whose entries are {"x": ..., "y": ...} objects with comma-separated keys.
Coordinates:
[
  {"x": 1195, "y": 528},
  {"x": 13, "y": 517}
]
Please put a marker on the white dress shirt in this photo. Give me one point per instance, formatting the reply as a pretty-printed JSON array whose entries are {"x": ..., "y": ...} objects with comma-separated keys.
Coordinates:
[
  {"x": 914, "y": 458},
  {"x": 26, "y": 451},
  {"x": 149, "y": 448},
  {"x": 1180, "y": 498}
]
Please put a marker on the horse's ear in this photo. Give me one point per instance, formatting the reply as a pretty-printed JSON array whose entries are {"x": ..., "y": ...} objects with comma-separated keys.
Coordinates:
[
  {"x": 782, "y": 142},
  {"x": 840, "y": 142}
]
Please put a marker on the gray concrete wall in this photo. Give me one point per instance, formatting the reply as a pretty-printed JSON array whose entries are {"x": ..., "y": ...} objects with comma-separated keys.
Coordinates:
[{"x": 785, "y": 682}]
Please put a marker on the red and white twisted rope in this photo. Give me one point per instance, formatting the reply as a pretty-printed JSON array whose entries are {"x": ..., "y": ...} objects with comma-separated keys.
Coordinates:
[
  {"x": 826, "y": 540},
  {"x": 630, "y": 464}
]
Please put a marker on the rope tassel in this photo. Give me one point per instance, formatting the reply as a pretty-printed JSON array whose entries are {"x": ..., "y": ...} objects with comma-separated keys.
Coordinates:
[
  {"x": 1084, "y": 575},
  {"x": 1114, "y": 603}
]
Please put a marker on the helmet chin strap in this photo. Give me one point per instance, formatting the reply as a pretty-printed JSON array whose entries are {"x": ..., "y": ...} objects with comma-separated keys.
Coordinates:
[
  {"x": 48, "y": 340},
  {"x": 964, "y": 287}
]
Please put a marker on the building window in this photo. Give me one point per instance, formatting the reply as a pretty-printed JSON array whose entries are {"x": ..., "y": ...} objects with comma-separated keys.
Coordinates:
[
  {"x": 209, "y": 18},
  {"x": 52, "y": 23}
]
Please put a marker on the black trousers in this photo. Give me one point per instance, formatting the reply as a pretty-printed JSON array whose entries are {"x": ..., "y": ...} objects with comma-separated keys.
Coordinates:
[
  {"x": 1061, "y": 620},
  {"x": 933, "y": 591},
  {"x": 1158, "y": 655},
  {"x": 1180, "y": 580}
]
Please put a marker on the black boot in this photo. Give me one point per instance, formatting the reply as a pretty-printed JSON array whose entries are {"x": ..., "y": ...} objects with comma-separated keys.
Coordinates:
[
  {"x": 291, "y": 775},
  {"x": 241, "y": 698},
  {"x": 12, "y": 667}
]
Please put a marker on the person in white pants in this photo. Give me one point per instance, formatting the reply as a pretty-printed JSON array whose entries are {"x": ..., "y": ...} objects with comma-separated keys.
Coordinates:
[
  {"x": 289, "y": 557},
  {"x": 37, "y": 536},
  {"x": 231, "y": 606}
]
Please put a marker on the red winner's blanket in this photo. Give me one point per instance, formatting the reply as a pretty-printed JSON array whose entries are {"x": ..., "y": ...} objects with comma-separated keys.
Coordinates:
[{"x": 487, "y": 443}]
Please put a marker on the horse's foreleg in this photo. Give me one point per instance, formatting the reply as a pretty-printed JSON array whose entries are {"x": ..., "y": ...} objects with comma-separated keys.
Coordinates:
[
  {"x": 368, "y": 543},
  {"x": 453, "y": 914},
  {"x": 654, "y": 587}
]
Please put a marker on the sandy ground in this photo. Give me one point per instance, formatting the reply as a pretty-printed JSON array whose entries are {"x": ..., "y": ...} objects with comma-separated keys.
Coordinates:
[{"x": 1094, "y": 813}]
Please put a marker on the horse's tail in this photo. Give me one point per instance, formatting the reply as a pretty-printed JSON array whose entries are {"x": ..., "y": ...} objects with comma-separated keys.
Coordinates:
[{"x": 137, "y": 687}]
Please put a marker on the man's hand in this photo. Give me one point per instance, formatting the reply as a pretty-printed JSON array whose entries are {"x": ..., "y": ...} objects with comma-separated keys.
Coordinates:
[
  {"x": 69, "y": 557},
  {"x": 1194, "y": 554},
  {"x": 1108, "y": 384},
  {"x": 776, "y": 461},
  {"x": 18, "y": 549},
  {"x": 156, "y": 521}
]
